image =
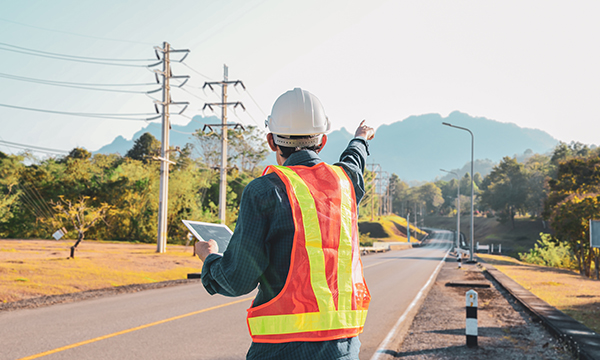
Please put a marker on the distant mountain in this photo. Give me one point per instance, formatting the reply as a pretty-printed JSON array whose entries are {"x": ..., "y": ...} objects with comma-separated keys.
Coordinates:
[
  {"x": 415, "y": 148},
  {"x": 418, "y": 147},
  {"x": 179, "y": 135}
]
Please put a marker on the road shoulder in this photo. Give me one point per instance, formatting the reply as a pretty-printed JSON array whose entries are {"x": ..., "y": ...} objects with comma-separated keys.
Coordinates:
[{"x": 505, "y": 329}]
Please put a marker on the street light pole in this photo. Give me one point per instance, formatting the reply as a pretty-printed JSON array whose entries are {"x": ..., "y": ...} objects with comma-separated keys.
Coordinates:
[
  {"x": 472, "y": 183},
  {"x": 457, "y": 207}
]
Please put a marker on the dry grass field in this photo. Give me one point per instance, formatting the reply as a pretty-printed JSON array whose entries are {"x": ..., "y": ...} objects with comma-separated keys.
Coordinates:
[
  {"x": 566, "y": 290},
  {"x": 32, "y": 268}
]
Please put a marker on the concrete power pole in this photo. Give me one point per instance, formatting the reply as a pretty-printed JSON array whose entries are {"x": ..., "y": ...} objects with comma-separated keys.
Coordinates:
[
  {"x": 164, "y": 150},
  {"x": 374, "y": 188},
  {"x": 223, "y": 125}
]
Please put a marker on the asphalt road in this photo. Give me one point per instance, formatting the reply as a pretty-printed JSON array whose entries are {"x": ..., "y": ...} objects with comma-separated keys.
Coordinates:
[{"x": 184, "y": 322}]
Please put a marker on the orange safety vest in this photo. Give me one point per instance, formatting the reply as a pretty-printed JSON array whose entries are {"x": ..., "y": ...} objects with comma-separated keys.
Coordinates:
[{"x": 325, "y": 296}]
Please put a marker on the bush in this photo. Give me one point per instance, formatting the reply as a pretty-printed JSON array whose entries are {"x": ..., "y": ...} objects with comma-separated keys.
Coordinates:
[
  {"x": 365, "y": 239},
  {"x": 550, "y": 252}
]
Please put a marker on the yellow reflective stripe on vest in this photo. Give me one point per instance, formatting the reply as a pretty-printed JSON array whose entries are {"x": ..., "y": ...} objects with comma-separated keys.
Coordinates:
[
  {"x": 307, "y": 322},
  {"x": 345, "y": 247},
  {"x": 314, "y": 244}
]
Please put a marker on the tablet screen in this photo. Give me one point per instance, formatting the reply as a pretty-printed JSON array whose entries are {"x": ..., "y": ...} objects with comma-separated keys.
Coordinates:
[{"x": 206, "y": 231}]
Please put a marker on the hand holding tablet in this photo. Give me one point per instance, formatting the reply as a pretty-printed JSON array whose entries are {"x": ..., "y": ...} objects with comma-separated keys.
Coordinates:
[{"x": 219, "y": 234}]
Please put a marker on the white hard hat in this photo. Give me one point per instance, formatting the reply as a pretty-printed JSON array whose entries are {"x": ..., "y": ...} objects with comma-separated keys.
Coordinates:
[{"x": 298, "y": 112}]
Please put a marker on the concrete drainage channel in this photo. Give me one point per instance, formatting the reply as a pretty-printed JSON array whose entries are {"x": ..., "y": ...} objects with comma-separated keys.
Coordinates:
[{"x": 584, "y": 342}]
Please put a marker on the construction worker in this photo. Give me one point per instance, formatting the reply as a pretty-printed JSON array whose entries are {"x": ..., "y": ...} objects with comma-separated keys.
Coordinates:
[{"x": 297, "y": 238}]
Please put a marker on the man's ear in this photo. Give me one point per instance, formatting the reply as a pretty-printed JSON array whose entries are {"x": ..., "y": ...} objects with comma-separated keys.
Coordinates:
[
  {"x": 323, "y": 142},
  {"x": 271, "y": 142}
]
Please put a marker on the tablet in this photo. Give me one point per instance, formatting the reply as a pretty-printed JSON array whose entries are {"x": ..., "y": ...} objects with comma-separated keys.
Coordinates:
[{"x": 205, "y": 231}]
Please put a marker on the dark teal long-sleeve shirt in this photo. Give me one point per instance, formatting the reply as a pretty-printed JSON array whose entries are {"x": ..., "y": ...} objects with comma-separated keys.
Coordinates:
[{"x": 260, "y": 249}]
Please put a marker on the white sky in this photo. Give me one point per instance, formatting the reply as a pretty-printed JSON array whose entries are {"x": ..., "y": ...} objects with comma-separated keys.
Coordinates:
[{"x": 532, "y": 63}]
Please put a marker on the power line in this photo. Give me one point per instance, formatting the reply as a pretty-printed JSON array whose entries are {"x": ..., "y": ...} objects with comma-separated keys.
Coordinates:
[
  {"x": 32, "y": 147},
  {"x": 256, "y": 103},
  {"x": 74, "y": 56},
  {"x": 33, "y": 150},
  {"x": 72, "y": 83},
  {"x": 36, "y": 194},
  {"x": 75, "y": 34},
  {"x": 51, "y": 83},
  {"x": 182, "y": 132},
  {"x": 96, "y": 115},
  {"x": 187, "y": 91},
  {"x": 78, "y": 60},
  {"x": 196, "y": 71}
]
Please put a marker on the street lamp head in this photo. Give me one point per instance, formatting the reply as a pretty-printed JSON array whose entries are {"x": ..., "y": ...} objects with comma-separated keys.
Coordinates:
[{"x": 447, "y": 124}]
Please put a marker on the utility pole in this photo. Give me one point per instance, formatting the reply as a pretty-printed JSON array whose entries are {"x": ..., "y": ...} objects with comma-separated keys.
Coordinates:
[
  {"x": 374, "y": 188},
  {"x": 223, "y": 125},
  {"x": 161, "y": 242}
]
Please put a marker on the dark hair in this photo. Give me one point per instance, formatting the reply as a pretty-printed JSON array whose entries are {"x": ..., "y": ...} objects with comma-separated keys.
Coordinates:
[{"x": 286, "y": 151}]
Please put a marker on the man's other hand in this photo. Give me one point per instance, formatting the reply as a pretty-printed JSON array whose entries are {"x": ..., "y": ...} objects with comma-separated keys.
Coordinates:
[
  {"x": 364, "y": 131},
  {"x": 205, "y": 248}
]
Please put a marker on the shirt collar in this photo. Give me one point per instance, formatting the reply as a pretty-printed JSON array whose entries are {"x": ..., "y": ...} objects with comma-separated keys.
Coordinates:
[{"x": 303, "y": 157}]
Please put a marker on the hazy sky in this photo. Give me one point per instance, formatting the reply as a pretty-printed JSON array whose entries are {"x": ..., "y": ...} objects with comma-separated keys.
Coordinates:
[{"x": 532, "y": 63}]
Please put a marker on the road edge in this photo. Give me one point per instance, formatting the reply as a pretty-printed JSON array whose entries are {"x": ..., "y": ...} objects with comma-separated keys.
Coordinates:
[
  {"x": 388, "y": 348},
  {"x": 48, "y": 300}
]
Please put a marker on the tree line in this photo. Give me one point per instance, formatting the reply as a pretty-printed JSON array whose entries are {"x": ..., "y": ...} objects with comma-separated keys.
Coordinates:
[
  {"x": 561, "y": 188},
  {"x": 120, "y": 194},
  {"x": 115, "y": 197}
]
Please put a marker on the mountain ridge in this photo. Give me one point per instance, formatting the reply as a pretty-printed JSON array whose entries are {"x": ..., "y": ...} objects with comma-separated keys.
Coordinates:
[{"x": 415, "y": 148}]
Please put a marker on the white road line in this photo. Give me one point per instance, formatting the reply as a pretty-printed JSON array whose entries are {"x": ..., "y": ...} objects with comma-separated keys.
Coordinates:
[{"x": 392, "y": 333}]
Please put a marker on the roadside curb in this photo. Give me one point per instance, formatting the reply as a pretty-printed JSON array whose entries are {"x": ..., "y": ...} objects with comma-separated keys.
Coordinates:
[{"x": 584, "y": 342}]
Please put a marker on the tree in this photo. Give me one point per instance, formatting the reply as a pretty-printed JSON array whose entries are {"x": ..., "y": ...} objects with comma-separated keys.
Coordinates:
[
  {"x": 9, "y": 180},
  {"x": 399, "y": 190},
  {"x": 79, "y": 153},
  {"x": 430, "y": 195},
  {"x": 505, "y": 189},
  {"x": 564, "y": 151},
  {"x": 573, "y": 199},
  {"x": 538, "y": 170},
  {"x": 570, "y": 220},
  {"x": 246, "y": 148},
  {"x": 146, "y": 145},
  {"x": 249, "y": 148},
  {"x": 81, "y": 215}
]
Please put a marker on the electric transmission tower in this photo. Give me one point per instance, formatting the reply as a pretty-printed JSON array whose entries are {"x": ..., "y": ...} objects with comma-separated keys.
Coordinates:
[
  {"x": 167, "y": 74},
  {"x": 223, "y": 104}
]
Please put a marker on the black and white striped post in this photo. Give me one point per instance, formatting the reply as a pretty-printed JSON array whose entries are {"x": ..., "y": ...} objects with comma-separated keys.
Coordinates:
[{"x": 471, "y": 327}]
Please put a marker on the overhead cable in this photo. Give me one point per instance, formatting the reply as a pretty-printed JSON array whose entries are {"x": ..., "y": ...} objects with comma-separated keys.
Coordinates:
[
  {"x": 74, "y": 56},
  {"x": 259, "y": 108},
  {"x": 52, "y": 83},
  {"x": 33, "y": 147},
  {"x": 79, "y": 60},
  {"x": 73, "y": 83},
  {"x": 196, "y": 96},
  {"x": 197, "y": 72},
  {"x": 95, "y": 115}
]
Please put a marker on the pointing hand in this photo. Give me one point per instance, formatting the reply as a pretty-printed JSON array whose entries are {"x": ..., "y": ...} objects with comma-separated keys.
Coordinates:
[{"x": 365, "y": 131}]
